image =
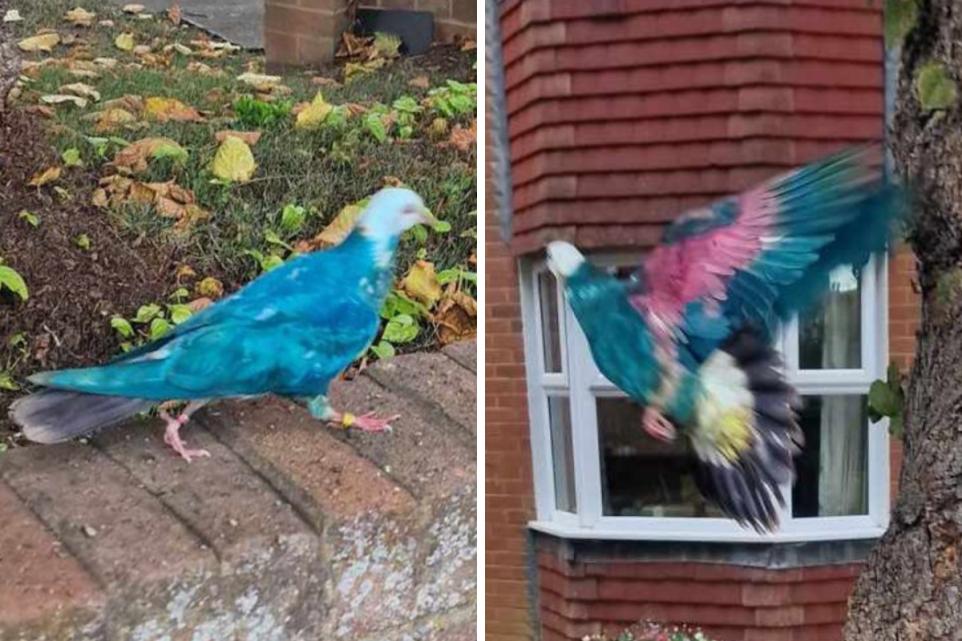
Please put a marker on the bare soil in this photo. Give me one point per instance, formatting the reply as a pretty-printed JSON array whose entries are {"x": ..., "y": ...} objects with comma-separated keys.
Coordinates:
[{"x": 73, "y": 292}]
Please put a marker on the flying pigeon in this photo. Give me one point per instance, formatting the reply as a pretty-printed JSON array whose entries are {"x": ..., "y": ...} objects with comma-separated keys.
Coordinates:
[
  {"x": 689, "y": 335},
  {"x": 289, "y": 332}
]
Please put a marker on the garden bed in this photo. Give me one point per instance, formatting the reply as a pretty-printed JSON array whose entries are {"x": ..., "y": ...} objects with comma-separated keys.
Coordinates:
[{"x": 114, "y": 246}]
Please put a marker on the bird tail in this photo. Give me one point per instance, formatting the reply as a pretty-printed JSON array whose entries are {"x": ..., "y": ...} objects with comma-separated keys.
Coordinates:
[
  {"x": 53, "y": 416},
  {"x": 746, "y": 432}
]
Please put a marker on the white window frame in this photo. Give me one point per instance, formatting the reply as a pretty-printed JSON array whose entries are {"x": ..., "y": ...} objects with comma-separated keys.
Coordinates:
[{"x": 582, "y": 382}]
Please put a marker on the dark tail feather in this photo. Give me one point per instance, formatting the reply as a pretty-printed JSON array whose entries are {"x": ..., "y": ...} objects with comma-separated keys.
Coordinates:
[{"x": 53, "y": 416}]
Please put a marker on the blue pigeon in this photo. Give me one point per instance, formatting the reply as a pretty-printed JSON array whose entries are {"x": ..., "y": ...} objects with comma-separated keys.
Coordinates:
[
  {"x": 289, "y": 332},
  {"x": 689, "y": 335}
]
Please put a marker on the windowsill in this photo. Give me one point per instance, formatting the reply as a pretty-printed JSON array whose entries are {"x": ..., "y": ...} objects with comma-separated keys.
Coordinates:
[{"x": 835, "y": 533}]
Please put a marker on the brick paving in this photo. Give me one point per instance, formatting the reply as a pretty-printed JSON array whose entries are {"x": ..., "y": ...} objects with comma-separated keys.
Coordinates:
[{"x": 290, "y": 531}]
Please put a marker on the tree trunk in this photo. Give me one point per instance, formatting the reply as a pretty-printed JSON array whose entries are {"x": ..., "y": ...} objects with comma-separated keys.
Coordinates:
[{"x": 911, "y": 588}]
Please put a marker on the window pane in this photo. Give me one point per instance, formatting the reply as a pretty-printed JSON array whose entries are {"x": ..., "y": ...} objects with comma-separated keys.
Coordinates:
[
  {"x": 562, "y": 453},
  {"x": 830, "y": 334},
  {"x": 639, "y": 475},
  {"x": 833, "y": 466},
  {"x": 550, "y": 332}
]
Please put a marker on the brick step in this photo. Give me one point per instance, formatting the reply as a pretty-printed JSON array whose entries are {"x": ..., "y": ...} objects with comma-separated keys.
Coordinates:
[{"x": 291, "y": 530}]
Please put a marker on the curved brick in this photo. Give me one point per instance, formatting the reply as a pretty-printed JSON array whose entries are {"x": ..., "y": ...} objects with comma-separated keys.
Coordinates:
[{"x": 430, "y": 379}]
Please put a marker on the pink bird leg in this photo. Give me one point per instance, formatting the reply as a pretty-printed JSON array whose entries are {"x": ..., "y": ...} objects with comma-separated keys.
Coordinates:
[
  {"x": 365, "y": 422},
  {"x": 657, "y": 426},
  {"x": 172, "y": 433}
]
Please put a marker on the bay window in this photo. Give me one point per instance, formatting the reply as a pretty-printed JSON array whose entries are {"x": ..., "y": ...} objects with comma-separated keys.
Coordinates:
[{"x": 598, "y": 475}]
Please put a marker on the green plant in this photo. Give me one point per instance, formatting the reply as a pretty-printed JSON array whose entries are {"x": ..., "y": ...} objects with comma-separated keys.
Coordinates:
[
  {"x": 257, "y": 114},
  {"x": 150, "y": 322},
  {"x": 886, "y": 399},
  {"x": 12, "y": 280},
  {"x": 454, "y": 99},
  {"x": 402, "y": 314}
]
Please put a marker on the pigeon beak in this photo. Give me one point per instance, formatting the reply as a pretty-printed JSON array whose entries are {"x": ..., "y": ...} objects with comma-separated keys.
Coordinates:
[{"x": 425, "y": 217}]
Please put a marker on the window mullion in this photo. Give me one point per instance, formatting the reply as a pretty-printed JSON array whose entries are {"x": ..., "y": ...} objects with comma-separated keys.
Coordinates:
[{"x": 584, "y": 425}]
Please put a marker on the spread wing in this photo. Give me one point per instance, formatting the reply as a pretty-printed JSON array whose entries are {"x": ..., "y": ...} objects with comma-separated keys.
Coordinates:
[{"x": 755, "y": 257}]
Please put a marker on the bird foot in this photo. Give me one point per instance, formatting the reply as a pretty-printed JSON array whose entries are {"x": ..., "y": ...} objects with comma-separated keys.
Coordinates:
[
  {"x": 366, "y": 422},
  {"x": 657, "y": 426},
  {"x": 172, "y": 438}
]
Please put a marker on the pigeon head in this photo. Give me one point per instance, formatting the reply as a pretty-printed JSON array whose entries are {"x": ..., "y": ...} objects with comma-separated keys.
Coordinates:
[
  {"x": 564, "y": 259},
  {"x": 392, "y": 211}
]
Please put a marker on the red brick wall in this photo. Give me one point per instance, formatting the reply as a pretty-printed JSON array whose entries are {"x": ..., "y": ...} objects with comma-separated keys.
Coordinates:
[
  {"x": 307, "y": 32},
  {"x": 302, "y": 32},
  {"x": 451, "y": 17},
  {"x": 622, "y": 113},
  {"x": 729, "y": 602},
  {"x": 509, "y": 502}
]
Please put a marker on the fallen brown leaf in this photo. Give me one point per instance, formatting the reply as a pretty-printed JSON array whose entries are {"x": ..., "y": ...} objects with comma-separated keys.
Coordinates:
[
  {"x": 463, "y": 138},
  {"x": 421, "y": 82},
  {"x": 162, "y": 109},
  {"x": 46, "y": 176},
  {"x": 175, "y": 13},
  {"x": 456, "y": 316}
]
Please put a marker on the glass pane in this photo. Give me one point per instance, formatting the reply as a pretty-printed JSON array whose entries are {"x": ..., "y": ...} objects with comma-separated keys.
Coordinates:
[
  {"x": 639, "y": 475},
  {"x": 833, "y": 466},
  {"x": 550, "y": 332},
  {"x": 830, "y": 334},
  {"x": 562, "y": 453}
]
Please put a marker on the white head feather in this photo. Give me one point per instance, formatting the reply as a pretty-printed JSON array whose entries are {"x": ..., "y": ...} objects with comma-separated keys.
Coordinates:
[
  {"x": 564, "y": 259},
  {"x": 389, "y": 213}
]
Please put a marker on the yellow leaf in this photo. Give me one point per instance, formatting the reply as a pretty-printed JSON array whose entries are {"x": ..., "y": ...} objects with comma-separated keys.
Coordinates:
[
  {"x": 164, "y": 109},
  {"x": 421, "y": 283},
  {"x": 47, "y": 175},
  {"x": 233, "y": 161},
  {"x": 210, "y": 287},
  {"x": 341, "y": 226},
  {"x": 110, "y": 119},
  {"x": 80, "y": 16},
  {"x": 314, "y": 114},
  {"x": 250, "y": 137},
  {"x": 99, "y": 198},
  {"x": 43, "y": 42},
  {"x": 81, "y": 89},
  {"x": 259, "y": 81},
  {"x": 124, "y": 41}
]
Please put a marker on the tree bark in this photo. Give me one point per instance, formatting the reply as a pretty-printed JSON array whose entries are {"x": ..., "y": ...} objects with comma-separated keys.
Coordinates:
[{"x": 911, "y": 589}]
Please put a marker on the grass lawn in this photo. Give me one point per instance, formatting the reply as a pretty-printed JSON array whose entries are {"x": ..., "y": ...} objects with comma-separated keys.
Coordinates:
[{"x": 119, "y": 240}]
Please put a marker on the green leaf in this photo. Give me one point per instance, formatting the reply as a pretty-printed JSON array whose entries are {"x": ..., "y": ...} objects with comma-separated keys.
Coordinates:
[
  {"x": 375, "y": 126},
  {"x": 30, "y": 218},
  {"x": 146, "y": 313},
  {"x": 442, "y": 227},
  {"x": 383, "y": 350},
  {"x": 407, "y": 104},
  {"x": 934, "y": 88},
  {"x": 402, "y": 328},
  {"x": 900, "y": 19},
  {"x": 17, "y": 340},
  {"x": 12, "y": 280},
  {"x": 179, "y": 313},
  {"x": 271, "y": 237},
  {"x": 180, "y": 294},
  {"x": 456, "y": 274},
  {"x": 71, "y": 157},
  {"x": 292, "y": 218},
  {"x": 82, "y": 241},
  {"x": 271, "y": 261},
  {"x": 158, "y": 327},
  {"x": 122, "y": 326},
  {"x": 896, "y": 426},
  {"x": 7, "y": 382},
  {"x": 419, "y": 233},
  {"x": 883, "y": 400}
]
